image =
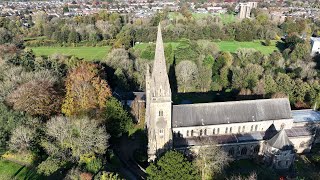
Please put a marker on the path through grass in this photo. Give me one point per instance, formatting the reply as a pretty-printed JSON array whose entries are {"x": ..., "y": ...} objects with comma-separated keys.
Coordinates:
[{"x": 87, "y": 53}]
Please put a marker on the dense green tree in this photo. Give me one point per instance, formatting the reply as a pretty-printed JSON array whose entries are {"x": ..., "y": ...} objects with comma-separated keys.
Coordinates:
[
  {"x": 172, "y": 165},
  {"x": 117, "y": 119},
  {"x": 5, "y": 36},
  {"x": 246, "y": 77},
  {"x": 74, "y": 37},
  {"x": 9, "y": 120}
]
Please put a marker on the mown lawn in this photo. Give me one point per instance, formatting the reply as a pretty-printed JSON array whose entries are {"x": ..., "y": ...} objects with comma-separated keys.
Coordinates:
[
  {"x": 11, "y": 171},
  {"x": 233, "y": 46},
  {"x": 100, "y": 53},
  {"x": 225, "y": 18},
  {"x": 87, "y": 53}
]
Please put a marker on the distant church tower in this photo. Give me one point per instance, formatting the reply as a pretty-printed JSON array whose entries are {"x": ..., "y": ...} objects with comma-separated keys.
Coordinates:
[{"x": 158, "y": 104}]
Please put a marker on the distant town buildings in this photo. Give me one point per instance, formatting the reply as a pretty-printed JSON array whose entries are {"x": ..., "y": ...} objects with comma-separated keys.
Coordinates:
[{"x": 245, "y": 9}]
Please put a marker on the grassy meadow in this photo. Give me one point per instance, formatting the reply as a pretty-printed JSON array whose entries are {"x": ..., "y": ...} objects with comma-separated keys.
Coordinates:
[
  {"x": 99, "y": 53},
  {"x": 87, "y": 53},
  {"x": 225, "y": 18},
  {"x": 10, "y": 170},
  {"x": 233, "y": 46}
]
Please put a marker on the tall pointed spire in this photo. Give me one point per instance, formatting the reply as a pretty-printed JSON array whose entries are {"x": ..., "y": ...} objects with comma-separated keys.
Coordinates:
[
  {"x": 159, "y": 72},
  {"x": 159, "y": 58}
]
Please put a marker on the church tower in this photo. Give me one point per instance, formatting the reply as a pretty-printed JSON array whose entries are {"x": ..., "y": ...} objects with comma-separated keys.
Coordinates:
[{"x": 158, "y": 104}]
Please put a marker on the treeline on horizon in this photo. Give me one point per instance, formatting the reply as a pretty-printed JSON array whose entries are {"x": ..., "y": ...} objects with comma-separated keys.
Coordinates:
[{"x": 291, "y": 71}]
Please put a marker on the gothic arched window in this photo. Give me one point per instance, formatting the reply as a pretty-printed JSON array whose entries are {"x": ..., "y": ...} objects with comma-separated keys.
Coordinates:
[
  {"x": 160, "y": 113},
  {"x": 200, "y": 132},
  {"x": 243, "y": 128},
  {"x": 251, "y": 128},
  {"x": 191, "y": 132},
  {"x": 282, "y": 126},
  {"x": 218, "y": 130},
  {"x": 230, "y": 129},
  {"x": 256, "y": 128},
  {"x": 161, "y": 131},
  {"x": 244, "y": 151},
  {"x": 239, "y": 129},
  {"x": 231, "y": 151},
  {"x": 205, "y": 132},
  {"x": 214, "y": 131},
  {"x": 226, "y": 130},
  {"x": 256, "y": 149},
  {"x": 187, "y": 132}
]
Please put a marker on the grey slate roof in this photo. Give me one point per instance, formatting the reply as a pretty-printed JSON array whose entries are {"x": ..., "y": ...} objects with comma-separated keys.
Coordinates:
[
  {"x": 238, "y": 138},
  {"x": 306, "y": 115},
  {"x": 230, "y": 112},
  {"x": 280, "y": 141}
]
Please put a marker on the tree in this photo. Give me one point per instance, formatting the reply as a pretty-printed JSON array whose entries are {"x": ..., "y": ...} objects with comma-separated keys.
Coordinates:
[
  {"x": 36, "y": 97},
  {"x": 21, "y": 139},
  {"x": 117, "y": 119},
  {"x": 301, "y": 51},
  {"x": 211, "y": 160},
  {"x": 172, "y": 165},
  {"x": 246, "y": 77},
  {"x": 74, "y": 37},
  {"x": 86, "y": 91},
  {"x": 9, "y": 120},
  {"x": 69, "y": 140},
  {"x": 119, "y": 58},
  {"x": 5, "y": 36},
  {"x": 187, "y": 72}
]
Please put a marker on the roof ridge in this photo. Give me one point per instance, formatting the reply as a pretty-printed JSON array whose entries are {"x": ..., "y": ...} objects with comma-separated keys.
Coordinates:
[{"x": 232, "y": 102}]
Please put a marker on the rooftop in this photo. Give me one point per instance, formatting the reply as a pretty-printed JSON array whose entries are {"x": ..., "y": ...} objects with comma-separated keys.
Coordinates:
[
  {"x": 230, "y": 112},
  {"x": 239, "y": 138},
  {"x": 306, "y": 115}
]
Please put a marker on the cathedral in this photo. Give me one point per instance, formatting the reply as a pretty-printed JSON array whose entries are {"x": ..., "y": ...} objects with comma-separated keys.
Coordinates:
[{"x": 266, "y": 128}]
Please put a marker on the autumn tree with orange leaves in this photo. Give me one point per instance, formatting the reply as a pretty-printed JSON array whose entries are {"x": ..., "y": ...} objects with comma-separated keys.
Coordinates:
[{"x": 86, "y": 92}]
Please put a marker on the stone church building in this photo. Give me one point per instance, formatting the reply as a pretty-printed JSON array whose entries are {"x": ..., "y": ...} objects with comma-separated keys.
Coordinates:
[{"x": 245, "y": 129}]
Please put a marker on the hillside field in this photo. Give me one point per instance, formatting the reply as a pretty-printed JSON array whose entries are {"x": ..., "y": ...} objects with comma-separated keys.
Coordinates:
[
  {"x": 87, "y": 53},
  {"x": 232, "y": 46},
  {"x": 99, "y": 53}
]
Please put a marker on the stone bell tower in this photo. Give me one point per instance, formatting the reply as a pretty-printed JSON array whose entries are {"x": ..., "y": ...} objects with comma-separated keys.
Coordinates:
[{"x": 158, "y": 104}]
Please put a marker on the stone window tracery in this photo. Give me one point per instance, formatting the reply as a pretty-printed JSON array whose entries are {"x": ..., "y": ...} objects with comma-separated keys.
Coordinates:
[
  {"x": 244, "y": 151},
  {"x": 160, "y": 113}
]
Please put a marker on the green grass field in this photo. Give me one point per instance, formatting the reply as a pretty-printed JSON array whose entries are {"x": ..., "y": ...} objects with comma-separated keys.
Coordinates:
[
  {"x": 87, "y": 53},
  {"x": 233, "y": 46},
  {"x": 225, "y": 18},
  {"x": 99, "y": 53},
  {"x": 11, "y": 171}
]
